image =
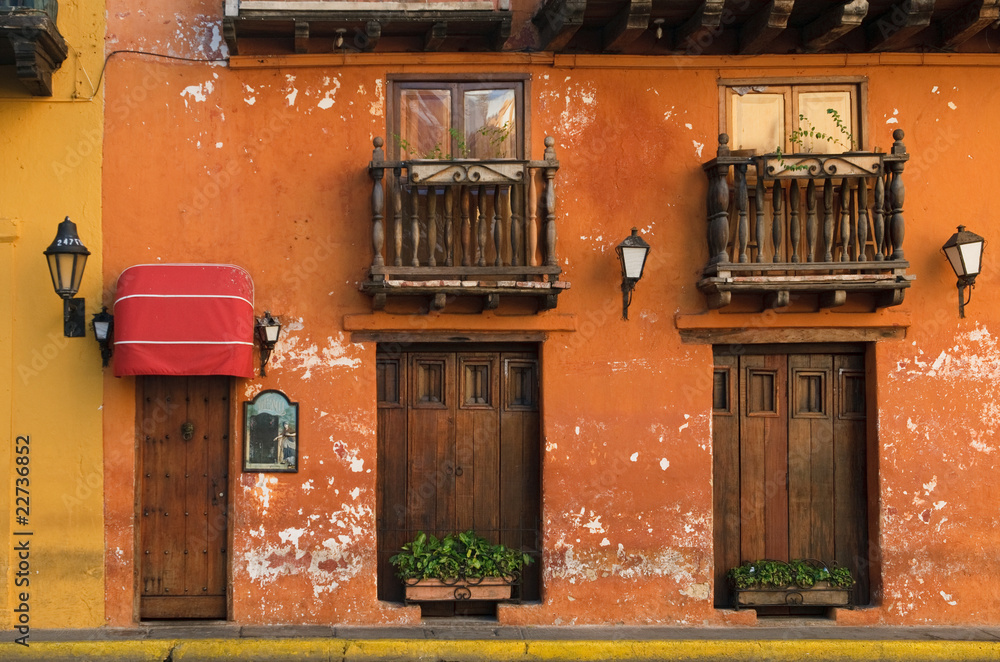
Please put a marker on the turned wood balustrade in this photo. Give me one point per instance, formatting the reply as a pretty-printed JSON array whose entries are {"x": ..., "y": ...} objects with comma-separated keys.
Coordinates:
[
  {"x": 471, "y": 226},
  {"x": 818, "y": 223}
]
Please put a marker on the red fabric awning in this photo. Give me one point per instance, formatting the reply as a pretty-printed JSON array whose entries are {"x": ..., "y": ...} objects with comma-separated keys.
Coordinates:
[{"x": 184, "y": 319}]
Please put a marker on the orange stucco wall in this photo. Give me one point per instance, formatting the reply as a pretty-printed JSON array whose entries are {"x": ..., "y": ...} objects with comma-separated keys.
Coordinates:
[{"x": 265, "y": 167}]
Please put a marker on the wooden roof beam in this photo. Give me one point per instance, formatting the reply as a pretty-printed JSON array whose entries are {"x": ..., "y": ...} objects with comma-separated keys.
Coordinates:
[
  {"x": 765, "y": 25},
  {"x": 707, "y": 20},
  {"x": 894, "y": 28},
  {"x": 557, "y": 21},
  {"x": 435, "y": 36},
  {"x": 630, "y": 22},
  {"x": 833, "y": 24},
  {"x": 968, "y": 22},
  {"x": 301, "y": 36}
]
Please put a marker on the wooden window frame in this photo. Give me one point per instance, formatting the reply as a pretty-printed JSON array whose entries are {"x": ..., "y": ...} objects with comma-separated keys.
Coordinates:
[
  {"x": 459, "y": 84},
  {"x": 791, "y": 88}
]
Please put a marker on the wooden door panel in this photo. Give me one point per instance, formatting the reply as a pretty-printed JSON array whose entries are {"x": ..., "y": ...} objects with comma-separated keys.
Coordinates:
[
  {"x": 810, "y": 457},
  {"x": 430, "y": 502},
  {"x": 726, "y": 471},
  {"x": 851, "y": 479},
  {"x": 391, "y": 381},
  {"x": 763, "y": 452},
  {"x": 477, "y": 471},
  {"x": 183, "y": 497}
]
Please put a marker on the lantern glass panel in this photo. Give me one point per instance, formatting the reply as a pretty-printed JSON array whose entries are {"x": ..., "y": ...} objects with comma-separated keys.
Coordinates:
[
  {"x": 955, "y": 257},
  {"x": 101, "y": 330},
  {"x": 971, "y": 256},
  {"x": 271, "y": 333},
  {"x": 633, "y": 260}
]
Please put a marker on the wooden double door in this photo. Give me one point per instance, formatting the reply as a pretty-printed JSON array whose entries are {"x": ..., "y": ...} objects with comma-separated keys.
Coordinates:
[
  {"x": 183, "y": 488},
  {"x": 458, "y": 449},
  {"x": 790, "y": 469}
]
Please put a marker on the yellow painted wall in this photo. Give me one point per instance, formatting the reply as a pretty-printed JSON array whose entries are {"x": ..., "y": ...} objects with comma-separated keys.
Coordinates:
[{"x": 50, "y": 386}]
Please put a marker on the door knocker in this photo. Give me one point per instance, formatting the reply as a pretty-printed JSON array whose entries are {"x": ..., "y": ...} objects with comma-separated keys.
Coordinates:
[{"x": 187, "y": 431}]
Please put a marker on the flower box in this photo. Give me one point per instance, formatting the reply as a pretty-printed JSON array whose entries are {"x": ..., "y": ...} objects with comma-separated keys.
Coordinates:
[
  {"x": 820, "y": 594},
  {"x": 437, "y": 590}
]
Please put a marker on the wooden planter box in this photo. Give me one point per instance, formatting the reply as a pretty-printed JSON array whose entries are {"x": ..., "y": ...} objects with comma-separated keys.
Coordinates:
[
  {"x": 435, "y": 590},
  {"x": 819, "y": 595}
]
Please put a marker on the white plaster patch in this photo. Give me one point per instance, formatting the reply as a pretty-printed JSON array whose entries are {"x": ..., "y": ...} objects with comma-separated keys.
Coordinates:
[
  {"x": 330, "y": 95},
  {"x": 634, "y": 457},
  {"x": 377, "y": 107},
  {"x": 698, "y": 147},
  {"x": 355, "y": 492},
  {"x": 929, "y": 487},
  {"x": 198, "y": 93},
  {"x": 947, "y": 598},
  {"x": 951, "y": 104},
  {"x": 935, "y": 90},
  {"x": 605, "y": 542},
  {"x": 307, "y": 486},
  {"x": 306, "y": 357},
  {"x": 291, "y": 535},
  {"x": 664, "y": 463},
  {"x": 938, "y": 505},
  {"x": 689, "y": 126}
]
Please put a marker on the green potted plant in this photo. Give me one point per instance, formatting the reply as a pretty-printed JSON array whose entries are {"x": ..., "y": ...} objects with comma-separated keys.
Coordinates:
[
  {"x": 799, "y": 582},
  {"x": 459, "y": 566}
]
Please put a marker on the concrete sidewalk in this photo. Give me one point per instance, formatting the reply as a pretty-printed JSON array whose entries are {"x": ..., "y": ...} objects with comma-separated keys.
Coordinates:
[{"x": 472, "y": 640}]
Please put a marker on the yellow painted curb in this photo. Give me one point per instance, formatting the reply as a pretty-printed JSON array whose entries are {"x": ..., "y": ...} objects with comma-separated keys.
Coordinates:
[
  {"x": 124, "y": 651},
  {"x": 372, "y": 650},
  {"x": 260, "y": 649}
]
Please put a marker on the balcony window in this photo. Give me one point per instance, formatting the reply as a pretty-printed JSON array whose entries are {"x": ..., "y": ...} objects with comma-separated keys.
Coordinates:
[{"x": 458, "y": 120}]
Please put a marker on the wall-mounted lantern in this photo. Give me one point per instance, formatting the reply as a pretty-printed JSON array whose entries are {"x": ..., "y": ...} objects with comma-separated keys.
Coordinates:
[
  {"x": 632, "y": 254},
  {"x": 268, "y": 329},
  {"x": 965, "y": 253},
  {"x": 104, "y": 328},
  {"x": 67, "y": 258}
]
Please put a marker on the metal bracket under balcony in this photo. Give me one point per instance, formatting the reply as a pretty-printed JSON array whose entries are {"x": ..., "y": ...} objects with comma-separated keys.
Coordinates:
[
  {"x": 30, "y": 40},
  {"x": 304, "y": 26}
]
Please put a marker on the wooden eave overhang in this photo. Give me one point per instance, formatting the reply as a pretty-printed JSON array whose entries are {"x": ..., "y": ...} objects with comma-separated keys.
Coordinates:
[
  {"x": 311, "y": 26},
  {"x": 750, "y": 27},
  {"x": 30, "y": 40}
]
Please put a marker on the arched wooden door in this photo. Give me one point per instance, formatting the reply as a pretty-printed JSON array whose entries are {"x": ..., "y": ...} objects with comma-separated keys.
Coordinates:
[{"x": 458, "y": 435}]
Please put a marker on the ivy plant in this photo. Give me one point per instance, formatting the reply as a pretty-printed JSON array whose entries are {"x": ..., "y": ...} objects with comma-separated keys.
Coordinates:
[
  {"x": 780, "y": 574},
  {"x": 458, "y": 555}
]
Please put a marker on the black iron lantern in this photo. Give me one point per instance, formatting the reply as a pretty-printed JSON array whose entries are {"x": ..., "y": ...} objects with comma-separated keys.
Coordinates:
[
  {"x": 964, "y": 251},
  {"x": 268, "y": 329},
  {"x": 67, "y": 258},
  {"x": 632, "y": 253},
  {"x": 104, "y": 327}
]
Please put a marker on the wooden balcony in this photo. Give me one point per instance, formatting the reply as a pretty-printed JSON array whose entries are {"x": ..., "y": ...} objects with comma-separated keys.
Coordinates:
[
  {"x": 823, "y": 225},
  {"x": 443, "y": 229},
  {"x": 30, "y": 40}
]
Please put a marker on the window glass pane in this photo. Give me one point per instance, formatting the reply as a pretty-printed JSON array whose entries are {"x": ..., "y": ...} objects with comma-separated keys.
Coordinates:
[
  {"x": 758, "y": 122},
  {"x": 490, "y": 124},
  {"x": 425, "y": 117},
  {"x": 815, "y": 107}
]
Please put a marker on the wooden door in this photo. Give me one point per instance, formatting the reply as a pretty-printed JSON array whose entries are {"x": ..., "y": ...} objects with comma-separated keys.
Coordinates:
[
  {"x": 182, "y": 532},
  {"x": 458, "y": 449},
  {"x": 790, "y": 462}
]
